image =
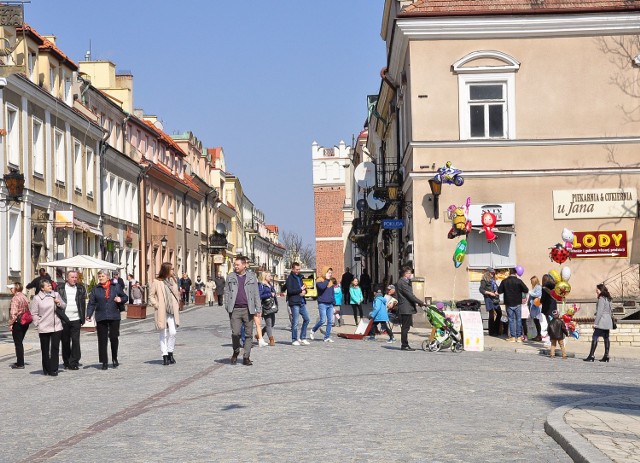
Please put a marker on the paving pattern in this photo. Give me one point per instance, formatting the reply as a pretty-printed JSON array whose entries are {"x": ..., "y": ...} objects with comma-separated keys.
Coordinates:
[{"x": 350, "y": 401}]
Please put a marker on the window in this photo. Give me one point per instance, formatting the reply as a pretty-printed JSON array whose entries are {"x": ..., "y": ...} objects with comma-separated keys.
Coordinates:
[
  {"x": 52, "y": 79},
  {"x": 187, "y": 209},
  {"x": 58, "y": 143},
  {"x": 38, "y": 151},
  {"x": 178, "y": 213},
  {"x": 128, "y": 200},
  {"x": 163, "y": 207},
  {"x": 196, "y": 219},
  {"x": 134, "y": 203},
  {"x": 487, "y": 108},
  {"x": 121, "y": 199},
  {"x": 13, "y": 135},
  {"x": 77, "y": 165},
  {"x": 31, "y": 63},
  {"x": 156, "y": 204},
  {"x": 105, "y": 196},
  {"x": 90, "y": 171},
  {"x": 67, "y": 87},
  {"x": 171, "y": 214},
  {"x": 15, "y": 242}
]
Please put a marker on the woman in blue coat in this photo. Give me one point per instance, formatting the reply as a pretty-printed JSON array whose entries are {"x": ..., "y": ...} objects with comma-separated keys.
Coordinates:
[{"x": 380, "y": 315}]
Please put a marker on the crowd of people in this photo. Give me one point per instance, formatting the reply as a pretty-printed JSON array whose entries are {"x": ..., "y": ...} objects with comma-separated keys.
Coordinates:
[{"x": 58, "y": 311}]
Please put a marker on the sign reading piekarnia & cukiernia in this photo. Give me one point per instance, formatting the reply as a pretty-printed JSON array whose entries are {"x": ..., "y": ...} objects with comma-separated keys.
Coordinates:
[{"x": 595, "y": 204}]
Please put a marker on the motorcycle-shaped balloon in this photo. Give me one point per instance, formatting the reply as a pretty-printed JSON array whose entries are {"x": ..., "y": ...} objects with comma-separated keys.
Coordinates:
[{"x": 449, "y": 174}]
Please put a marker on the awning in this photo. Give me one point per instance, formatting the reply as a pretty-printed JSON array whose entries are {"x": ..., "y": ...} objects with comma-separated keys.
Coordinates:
[
  {"x": 79, "y": 225},
  {"x": 83, "y": 261}
]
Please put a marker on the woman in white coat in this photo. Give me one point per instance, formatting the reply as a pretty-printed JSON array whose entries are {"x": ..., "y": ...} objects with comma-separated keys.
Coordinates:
[
  {"x": 210, "y": 290},
  {"x": 164, "y": 297}
]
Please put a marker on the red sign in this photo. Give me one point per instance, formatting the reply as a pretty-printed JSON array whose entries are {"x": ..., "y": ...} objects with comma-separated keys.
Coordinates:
[{"x": 594, "y": 244}]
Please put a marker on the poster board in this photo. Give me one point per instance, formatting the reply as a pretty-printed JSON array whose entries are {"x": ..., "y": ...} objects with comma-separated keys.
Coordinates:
[{"x": 473, "y": 330}]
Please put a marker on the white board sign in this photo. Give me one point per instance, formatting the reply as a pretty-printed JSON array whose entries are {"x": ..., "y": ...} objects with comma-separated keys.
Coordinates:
[
  {"x": 473, "y": 331},
  {"x": 595, "y": 203}
]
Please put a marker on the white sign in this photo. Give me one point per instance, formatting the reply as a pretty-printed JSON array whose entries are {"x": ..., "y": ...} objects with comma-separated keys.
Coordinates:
[
  {"x": 595, "y": 204},
  {"x": 505, "y": 213},
  {"x": 472, "y": 330}
]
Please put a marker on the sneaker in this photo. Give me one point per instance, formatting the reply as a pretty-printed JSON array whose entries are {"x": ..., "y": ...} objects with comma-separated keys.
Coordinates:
[
  {"x": 305, "y": 342},
  {"x": 295, "y": 343},
  {"x": 371, "y": 338},
  {"x": 262, "y": 343},
  {"x": 391, "y": 341},
  {"x": 311, "y": 334},
  {"x": 511, "y": 339},
  {"x": 328, "y": 340}
]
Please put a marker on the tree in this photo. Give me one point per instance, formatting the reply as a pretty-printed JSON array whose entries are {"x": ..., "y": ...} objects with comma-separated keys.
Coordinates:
[{"x": 297, "y": 251}]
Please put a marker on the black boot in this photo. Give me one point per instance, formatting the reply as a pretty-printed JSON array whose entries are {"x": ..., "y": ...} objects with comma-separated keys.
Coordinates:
[
  {"x": 165, "y": 360},
  {"x": 115, "y": 363},
  {"x": 606, "y": 351},
  {"x": 594, "y": 344},
  {"x": 171, "y": 359}
]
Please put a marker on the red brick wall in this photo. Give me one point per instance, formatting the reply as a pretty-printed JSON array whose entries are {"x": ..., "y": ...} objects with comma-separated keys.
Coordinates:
[{"x": 328, "y": 202}]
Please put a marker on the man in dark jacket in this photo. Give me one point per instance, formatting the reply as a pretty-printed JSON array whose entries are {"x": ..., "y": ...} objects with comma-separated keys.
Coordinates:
[
  {"x": 35, "y": 283},
  {"x": 345, "y": 284},
  {"x": 365, "y": 285},
  {"x": 406, "y": 307},
  {"x": 74, "y": 295},
  {"x": 514, "y": 291},
  {"x": 184, "y": 284},
  {"x": 220, "y": 282},
  {"x": 297, "y": 303}
]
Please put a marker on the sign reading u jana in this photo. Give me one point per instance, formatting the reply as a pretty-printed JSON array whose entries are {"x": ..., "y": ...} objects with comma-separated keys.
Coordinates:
[{"x": 391, "y": 224}]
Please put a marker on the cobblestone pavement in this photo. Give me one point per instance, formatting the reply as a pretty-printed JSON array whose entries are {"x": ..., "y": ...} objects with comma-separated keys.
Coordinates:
[{"x": 350, "y": 401}]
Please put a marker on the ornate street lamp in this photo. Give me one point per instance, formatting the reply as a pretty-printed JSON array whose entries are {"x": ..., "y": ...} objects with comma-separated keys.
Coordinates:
[{"x": 436, "y": 189}]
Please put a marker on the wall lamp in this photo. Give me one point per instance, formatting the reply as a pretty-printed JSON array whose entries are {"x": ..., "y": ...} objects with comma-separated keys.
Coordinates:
[
  {"x": 163, "y": 240},
  {"x": 436, "y": 189}
]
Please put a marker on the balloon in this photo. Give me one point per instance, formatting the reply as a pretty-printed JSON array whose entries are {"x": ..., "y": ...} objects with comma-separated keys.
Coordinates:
[
  {"x": 459, "y": 253},
  {"x": 519, "y": 270},
  {"x": 562, "y": 288},
  {"x": 575, "y": 334},
  {"x": 567, "y": 236},
  {"x": 489, "y": 221},
  {"x": 556, "y": 296},
  {"x": 559, "y": 254},
  {"x": 555, "y": 275},
  {"x": 537, "y": 302},
  {"x": 565, "y": 273}
]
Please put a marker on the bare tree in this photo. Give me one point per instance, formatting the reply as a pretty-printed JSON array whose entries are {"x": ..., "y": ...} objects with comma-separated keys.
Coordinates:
[{"x": 297, "y": 251}]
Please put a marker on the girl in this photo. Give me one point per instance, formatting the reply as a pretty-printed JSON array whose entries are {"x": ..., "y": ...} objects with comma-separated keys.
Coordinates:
[
  {"x": 356, "y": 297},
  {"x": 534, "y": 310},
  {"x": 269, "y": 303},
  {"x": 164, "y": 297}
]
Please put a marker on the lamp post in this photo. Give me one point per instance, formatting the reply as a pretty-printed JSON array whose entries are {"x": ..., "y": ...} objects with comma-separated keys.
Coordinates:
[{"x": 436, "y": 189}]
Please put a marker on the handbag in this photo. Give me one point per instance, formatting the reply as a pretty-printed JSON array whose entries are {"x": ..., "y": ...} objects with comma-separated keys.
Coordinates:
[
  {"x": 613, "y": 320},
  {"x": 269, "y": 306},
  {"x": 25, "y": 318}
]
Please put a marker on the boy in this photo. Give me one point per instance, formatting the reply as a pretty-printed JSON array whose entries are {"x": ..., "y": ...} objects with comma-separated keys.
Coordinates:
[
  {"x": 380, "y": 315},
  {"x": 557, "y": 331}
]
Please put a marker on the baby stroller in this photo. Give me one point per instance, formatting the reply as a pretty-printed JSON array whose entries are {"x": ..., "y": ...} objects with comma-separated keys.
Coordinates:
[{"x": 446, "y": 335}]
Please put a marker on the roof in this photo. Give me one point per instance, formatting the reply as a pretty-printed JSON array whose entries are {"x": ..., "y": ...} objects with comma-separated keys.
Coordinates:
[
  {"x": 494, "y": 7},
  {"x": 46, "y": 45},
  {"x": 272, "y": 228},
  {"x": 161, "y": 135}
]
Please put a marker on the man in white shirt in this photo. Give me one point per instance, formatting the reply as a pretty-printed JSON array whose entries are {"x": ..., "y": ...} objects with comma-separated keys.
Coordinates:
[{"x": 75, "y": 295}]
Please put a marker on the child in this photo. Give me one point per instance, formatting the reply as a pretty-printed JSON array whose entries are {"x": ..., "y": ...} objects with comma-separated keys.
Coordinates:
[
  {"x": 380, "y": 315},
  {"x": 557, "y": 331},
  {"x": 337, "y": 294},
  {"x": 356, "y": 297}
]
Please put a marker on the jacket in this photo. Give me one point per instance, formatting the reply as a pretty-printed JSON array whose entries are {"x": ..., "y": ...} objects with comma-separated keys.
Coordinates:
[
  {"x": 105, "y": 309},
  {"x": 549, "y": 304},
  {"x": 185, "y": 283},
  {"x": 379, "y": 313},
  {"x": 19, "y": 305},
  {"x": 43, "y": 310},
  {"x": 158, "y": 300},
  {"x": 513, "y": 289},
  {"x": 355, "y": 295},
  {"x": 250, "y": 288},
  {"x": 557, "y": 329},
  {"x": 326, "y": 293},
  {"x": 603, "y": 314},
  {"x": 266, "y": 292},
  {"x": 407, "y": 301},
  {"x": 219, "y": 285},
  {"x": 337, "y": 295},
  {"x": 209, "y": 289},
  {"x": 294, "y": 290},
  {"x": 35, "y": 283},
  {"x": 81, "y": 299},
  {"x": 490, "y": 302}
]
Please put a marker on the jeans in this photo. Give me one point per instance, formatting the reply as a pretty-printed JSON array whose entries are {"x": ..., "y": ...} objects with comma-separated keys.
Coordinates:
[
  {"x": 296, "y": 311},
  {"x": 168, "y": 336},
  {"x": 71, "y": 343},
  {"x": 326, "y": 316},
  {"x": 515, "y": 321}
]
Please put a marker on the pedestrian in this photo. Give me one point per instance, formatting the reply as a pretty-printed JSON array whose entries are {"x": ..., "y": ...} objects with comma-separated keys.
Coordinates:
[
  {"x": 116, "y": 280},
  {"x": 74, "y": 295},
  {"x": 602, "y": 324},
  {"x": 297, "y": 303},
  {"x": 514, "y": 291},
  {"x": 392, "y": 303},
  {"x": 345, "y": 284},
  {"x": 407, "y": 302},
  {"x": 356, "y": 298},
  {"x": 35, "y": 283},
  {"x": 199, "y": 286},
  {"x": 103, "y": 302},
  {"x": 324, "y": 285},
  {"x": 242, "y": 301},
  {"x": 130, "y": 282},
  {"x": 164, "y": 298},
  {"x": 136, "y": 293},
  {"x": 210, "y": 291},
  {"x": 337, "y": 302},
  {"x": 220, "y": 282},
  {"x": 269, "y": 303},
  {"x": 257, "y": 319},
  {"x": 49, "y": 324},
  {"x": 557, "y": 331},
  {"x": 534, "y": 309},
  {"x": 380, "y": 315},
  {"x": 19, "y": 306},
  {"x": 365, "y": 284},
  {"x": 489, "y": 289},
  {"x": 185, "y": 288}
]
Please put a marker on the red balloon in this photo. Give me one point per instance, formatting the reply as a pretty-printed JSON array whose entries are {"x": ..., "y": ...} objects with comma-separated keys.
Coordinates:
[
  {"x": 559, "y": 254},
  {"x": 556, "y": 296}
]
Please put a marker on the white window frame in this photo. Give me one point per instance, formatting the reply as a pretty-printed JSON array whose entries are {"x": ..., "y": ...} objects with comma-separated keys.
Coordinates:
[
  {"x": 78, "y": 166},
  {"x": 134, "y": 203},
  {"x": 13, "y": 135},
  {"x": 106, "y": 195},
  {"x": 52, "y": 79},
  {"x": 15, "y": 241},
  {"x": 60, "y": 159},
  {"x": 37, "y": 142},
  {"x": 91, "y": 171},
  {"x": 178, "y": 213}
]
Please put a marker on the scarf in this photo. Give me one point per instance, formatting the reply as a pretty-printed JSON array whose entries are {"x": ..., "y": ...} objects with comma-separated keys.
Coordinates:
[{"x": 107, "y": 288}]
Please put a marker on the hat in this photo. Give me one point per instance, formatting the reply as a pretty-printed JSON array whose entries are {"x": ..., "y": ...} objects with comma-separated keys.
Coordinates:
[
  {"x": 11, "y": 286},
  {"x": 390, "y": 287},
  {"x": 490, "y": 270}
]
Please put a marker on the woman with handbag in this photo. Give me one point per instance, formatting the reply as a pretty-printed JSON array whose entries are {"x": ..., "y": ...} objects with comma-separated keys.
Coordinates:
[
  {"x": 164, "y": 297},
  {"x": 602, "y": 324},
  {"x": 105, "y": 300},
  {"x": 269, "y": 303},
  {"x": 46, "y": 318},
  {"x": 19, "y": 321}
]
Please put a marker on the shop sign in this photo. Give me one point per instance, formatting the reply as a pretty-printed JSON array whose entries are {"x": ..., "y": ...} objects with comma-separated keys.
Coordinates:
[
  {"x": 601, "y": 244},
  {"x": 218, "y": 259},
  {"x": 595, "y": 204},
  {"x": 392, "y": 224},
  {"x": 505, "y": 213}
]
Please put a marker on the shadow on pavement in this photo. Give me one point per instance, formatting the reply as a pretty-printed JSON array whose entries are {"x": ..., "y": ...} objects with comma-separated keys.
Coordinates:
[{"x": 598, "y": 391}]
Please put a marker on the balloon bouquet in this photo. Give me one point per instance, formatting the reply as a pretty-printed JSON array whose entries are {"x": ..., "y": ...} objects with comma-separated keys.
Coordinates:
[
  {"x": 460, "y": 226},
  {"x": 559, "y": 254},
  {"x": 567, "y": 318}
]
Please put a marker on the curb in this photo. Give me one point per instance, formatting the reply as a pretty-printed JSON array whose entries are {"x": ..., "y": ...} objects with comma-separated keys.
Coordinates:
[{"x": 576, "y": 446}]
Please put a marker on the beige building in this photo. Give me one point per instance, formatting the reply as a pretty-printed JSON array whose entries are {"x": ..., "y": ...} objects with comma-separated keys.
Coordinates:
[{"x": 533, "y": 104}]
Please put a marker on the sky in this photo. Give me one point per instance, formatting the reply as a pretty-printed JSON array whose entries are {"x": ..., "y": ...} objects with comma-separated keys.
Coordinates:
[{"x": 263, "y": 79}]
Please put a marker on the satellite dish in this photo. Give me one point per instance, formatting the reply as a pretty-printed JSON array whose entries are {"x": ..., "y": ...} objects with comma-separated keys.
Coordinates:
[
  {"x": 375, "y": 203},
  {"x": 158, "y": 125},
  {"x": 365, "y": 175},
  {"x": 221, "y": 229},
  {"x": 361, "y": 205}
]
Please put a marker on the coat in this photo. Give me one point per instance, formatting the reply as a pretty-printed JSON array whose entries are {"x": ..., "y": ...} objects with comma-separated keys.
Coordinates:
[
  {"x": 250, "y": 288},
  {"x": 81, "y": 299},
  {"x": 407, "y": 301},
  {"x": 106, "y": 309},
  {"x": 209, "y": 289},
  {"x": 43, "y": 310},
  {"x": 603, "y": 314},
  {"x": 379, "y": 313},
  {"x": 513, "y": 289},
  {"x": 355, "y": 295},
  {"x": 219, "y": 281},
  {"x": 19, "y": 305},
  {"x": 294, "y": 290},
  {"x": 158, "y": 300},
  {"x": 557, "y": 329}
]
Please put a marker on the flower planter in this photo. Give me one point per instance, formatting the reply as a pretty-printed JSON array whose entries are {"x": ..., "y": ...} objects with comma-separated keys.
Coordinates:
[
  {"x": 136, "y": 310},
  {"x": 200, "y": 299}
]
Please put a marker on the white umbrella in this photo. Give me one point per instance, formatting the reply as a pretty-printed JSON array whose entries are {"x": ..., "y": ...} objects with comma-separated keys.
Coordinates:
[{"x": 83, "y": 261}]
